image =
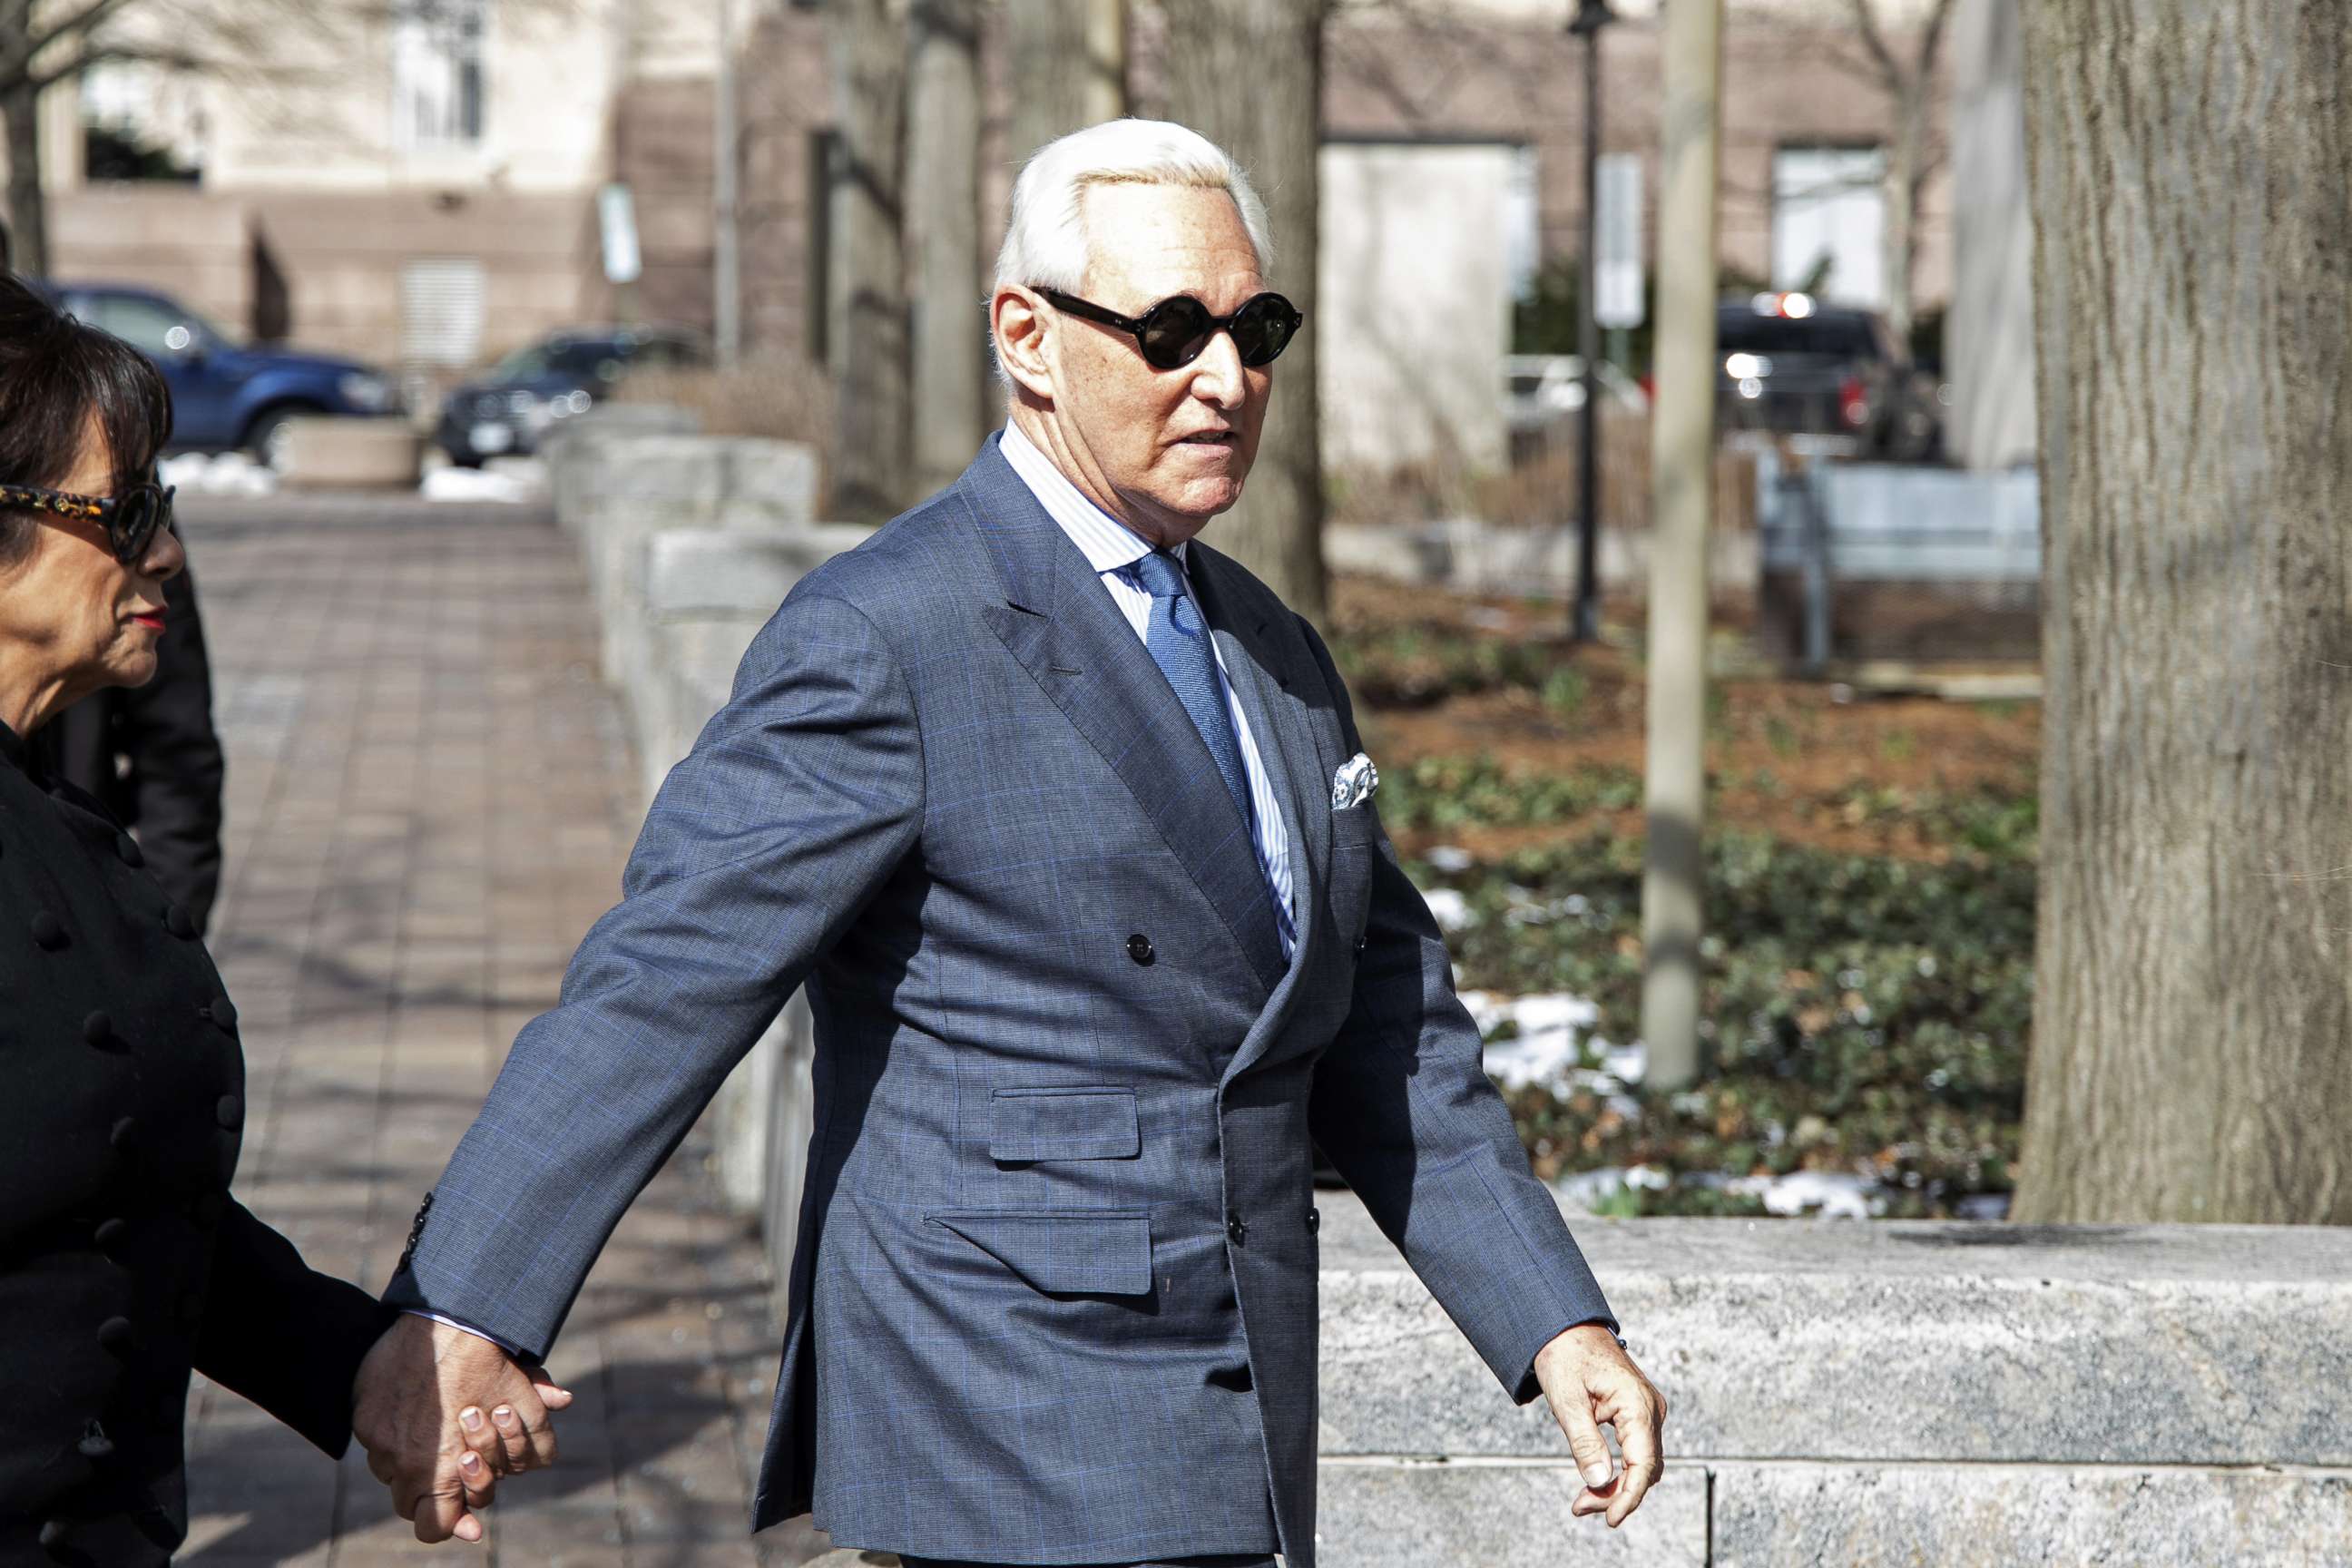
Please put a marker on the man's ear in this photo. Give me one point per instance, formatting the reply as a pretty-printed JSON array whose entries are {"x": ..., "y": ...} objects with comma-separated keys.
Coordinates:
[{"x": 1020, "y": 327}]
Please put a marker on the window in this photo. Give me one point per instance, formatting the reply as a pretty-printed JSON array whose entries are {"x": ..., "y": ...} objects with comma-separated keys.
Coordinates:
[
  {"x": 441, "y": 311},
  {"x": 1827, "y": 214},
  {"x": 437, "y": 73},
  {"x": 151, "y": 327}
]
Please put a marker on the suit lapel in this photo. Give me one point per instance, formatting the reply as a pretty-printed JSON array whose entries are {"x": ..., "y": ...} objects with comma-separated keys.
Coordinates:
[
  {"x": 1255, "y": 657},
  {"x": 1059, "y": 622}
]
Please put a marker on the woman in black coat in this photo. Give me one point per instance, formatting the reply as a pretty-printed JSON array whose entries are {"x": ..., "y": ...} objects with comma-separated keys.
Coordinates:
[{"x": 123, "y": 1260}]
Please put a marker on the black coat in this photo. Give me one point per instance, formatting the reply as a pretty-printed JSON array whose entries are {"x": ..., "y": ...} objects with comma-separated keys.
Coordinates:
[
  {"x": 123, "y": 1260},
  {"x": 151, "y": 757}
]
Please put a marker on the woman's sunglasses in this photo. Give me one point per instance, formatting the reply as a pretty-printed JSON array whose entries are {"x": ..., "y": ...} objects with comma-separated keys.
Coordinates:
[
  {"x": 133, "y": 519},
  {"x": 1172, "y": 333}
]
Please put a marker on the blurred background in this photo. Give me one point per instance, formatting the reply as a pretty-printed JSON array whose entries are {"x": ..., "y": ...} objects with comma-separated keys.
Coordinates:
[{"x": 1830, "y": 512}]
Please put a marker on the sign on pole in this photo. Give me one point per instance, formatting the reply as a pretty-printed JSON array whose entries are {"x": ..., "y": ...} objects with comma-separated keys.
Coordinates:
[
  {"x": 1617, "y": 289},
  {"x": 617, "y": 217}
]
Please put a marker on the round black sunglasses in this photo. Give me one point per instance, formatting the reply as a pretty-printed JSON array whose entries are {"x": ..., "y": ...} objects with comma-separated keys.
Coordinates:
[
  {"x": 1172, "y": 333},
  {"x": 133, "y": 519}
]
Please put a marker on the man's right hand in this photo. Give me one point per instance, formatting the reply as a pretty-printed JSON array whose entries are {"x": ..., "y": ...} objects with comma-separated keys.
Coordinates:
[{"x": 442, "y": 1414}]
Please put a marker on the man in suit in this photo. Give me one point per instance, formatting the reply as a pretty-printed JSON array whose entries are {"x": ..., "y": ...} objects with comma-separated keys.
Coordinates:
[{"x": 1061, "y": 817}]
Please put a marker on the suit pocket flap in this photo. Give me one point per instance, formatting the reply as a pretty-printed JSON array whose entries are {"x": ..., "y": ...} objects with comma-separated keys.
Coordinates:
[
  {"x": 1093, "y": 1251},
  {"x": 1059, "y": 1124}
]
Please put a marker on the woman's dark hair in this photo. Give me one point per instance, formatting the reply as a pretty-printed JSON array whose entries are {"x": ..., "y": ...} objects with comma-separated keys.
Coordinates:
[{"x": 55, "y": 374}]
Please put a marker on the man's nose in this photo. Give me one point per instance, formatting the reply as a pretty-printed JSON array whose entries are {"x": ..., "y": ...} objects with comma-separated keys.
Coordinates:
[{"x": 1217, "y": 374}]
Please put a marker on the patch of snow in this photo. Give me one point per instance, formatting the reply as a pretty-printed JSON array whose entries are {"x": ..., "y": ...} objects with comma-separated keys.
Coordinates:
[
  {"x": 1549, "y": 1045},
  {"x": 1836, "y": 1194},
  {"x": 220, "y": 474},
  {"x": 518, "y": 480},
  {"x": 1450, "y": 909},
  {"x": 1450, "y": 858}
]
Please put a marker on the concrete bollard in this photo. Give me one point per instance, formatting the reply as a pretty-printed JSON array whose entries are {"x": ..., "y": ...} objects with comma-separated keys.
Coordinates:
[{"x": 326, "y": 453}]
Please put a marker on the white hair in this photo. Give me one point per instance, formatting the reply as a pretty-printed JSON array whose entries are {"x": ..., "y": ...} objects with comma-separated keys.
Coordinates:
[{"x": 1046, "y": 240}]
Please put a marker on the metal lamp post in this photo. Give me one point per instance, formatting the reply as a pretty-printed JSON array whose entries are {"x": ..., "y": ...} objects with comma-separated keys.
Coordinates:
[{"x": 1591, "y": 16}]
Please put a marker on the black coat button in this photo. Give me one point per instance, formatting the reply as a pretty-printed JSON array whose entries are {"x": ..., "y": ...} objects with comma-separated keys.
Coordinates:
[
  {"x": 95, "y": 1444},
  {"x": 1138, "y": 948},
  {"x": 128, "y": 848},
  {"x": 231, "y": 1112},
  {"x": 47, "y": 934},
  {"x": 1236, "y": 1230},
  {"x": 125, "y": 1133},
  {"x": 116, "y": 1335},
  {"x": 54, "y": 1533},
  {"x": 222, "y": 1011},
  {"x": 179, "y": 923},
  {"x": 111, "y": 1237},
  {"x": 98, "y": 1029},
  {"x": 1314, "y": 1220}
]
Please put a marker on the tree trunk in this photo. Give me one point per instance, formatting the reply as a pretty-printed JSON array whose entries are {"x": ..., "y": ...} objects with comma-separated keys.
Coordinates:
[
  {"x": 1248, "y": 75},
  {"x": 1899, "y": 199},
  {"x": 2192, "y": 1052},
  {"x": 28, "y": 229},
  {"x": 947, "y": 320},
  {"x": 866, "y": 44},
  {"x": 1069, "y": 68}
]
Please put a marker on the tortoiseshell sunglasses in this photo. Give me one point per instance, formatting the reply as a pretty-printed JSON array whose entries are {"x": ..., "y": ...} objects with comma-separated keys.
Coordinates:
[{"x": 133, "y": 519}]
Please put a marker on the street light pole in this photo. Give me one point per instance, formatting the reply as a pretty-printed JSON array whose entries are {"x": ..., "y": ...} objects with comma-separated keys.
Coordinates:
[
  {"x": 726, "y": 275},
  {"x": 1591, "y": 16}
]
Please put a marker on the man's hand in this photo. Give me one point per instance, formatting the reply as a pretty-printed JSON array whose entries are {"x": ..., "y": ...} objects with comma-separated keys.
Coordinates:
[
  {"x": 442, "y": 1414},
  {"x": 1591, "y": 1382}
]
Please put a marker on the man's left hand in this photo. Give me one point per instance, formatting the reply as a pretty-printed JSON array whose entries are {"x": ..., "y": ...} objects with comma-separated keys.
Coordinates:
[{"x": 1592, "y": 1383}]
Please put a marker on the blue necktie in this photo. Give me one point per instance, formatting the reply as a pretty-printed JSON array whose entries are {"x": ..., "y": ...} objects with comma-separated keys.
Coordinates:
[{"x": 1178, "y": 643}]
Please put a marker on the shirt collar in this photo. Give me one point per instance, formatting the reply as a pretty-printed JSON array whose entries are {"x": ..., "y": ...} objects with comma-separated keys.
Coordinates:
[{"x": 1108, "y": 544}]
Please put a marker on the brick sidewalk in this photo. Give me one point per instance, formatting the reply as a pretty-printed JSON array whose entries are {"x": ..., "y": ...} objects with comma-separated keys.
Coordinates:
[{"x": 428, "y": 804}]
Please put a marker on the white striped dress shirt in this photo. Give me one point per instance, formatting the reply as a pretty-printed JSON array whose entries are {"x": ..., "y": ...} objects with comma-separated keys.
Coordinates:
[{"x": 1112, "y": 551}]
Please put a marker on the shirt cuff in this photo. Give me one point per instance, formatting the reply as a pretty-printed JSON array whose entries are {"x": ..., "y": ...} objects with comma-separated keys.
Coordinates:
[{"x": 467, "y": 1328}]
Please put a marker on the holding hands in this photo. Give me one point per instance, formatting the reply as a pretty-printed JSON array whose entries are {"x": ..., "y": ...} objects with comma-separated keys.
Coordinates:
[{"x": 443, "y": 1414}]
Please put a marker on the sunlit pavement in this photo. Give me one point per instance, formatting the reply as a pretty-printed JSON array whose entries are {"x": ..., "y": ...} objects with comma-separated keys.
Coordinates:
[{"x": 428, "y": 804}]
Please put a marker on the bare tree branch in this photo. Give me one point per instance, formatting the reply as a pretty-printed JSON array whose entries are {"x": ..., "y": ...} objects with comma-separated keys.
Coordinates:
[
  {"x": 1931, "y": 40},
  {"x": 77, "y": 23},
  {"x": 1865, "y": 24}
]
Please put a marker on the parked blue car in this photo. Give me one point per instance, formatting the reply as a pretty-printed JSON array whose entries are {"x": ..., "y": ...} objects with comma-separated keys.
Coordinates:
[{"x": 226, "y": 396}]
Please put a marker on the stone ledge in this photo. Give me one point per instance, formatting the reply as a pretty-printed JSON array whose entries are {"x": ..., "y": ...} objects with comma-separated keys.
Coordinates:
[{"x": 1882, "y": 1341}]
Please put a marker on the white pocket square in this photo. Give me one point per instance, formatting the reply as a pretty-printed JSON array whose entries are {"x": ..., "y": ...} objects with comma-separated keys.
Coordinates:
[{"x": 1354, "y": 782}]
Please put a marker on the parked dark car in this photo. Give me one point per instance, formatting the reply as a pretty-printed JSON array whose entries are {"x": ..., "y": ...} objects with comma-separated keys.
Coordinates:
[
  {"x": 227, "y": 395},
  {"x": 562, "y": 376},
  {"x": 1791, "y": 364}
]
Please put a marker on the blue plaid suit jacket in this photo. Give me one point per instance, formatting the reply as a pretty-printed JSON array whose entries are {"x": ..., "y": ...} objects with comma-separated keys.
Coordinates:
[{"x": 1053, "y": 1297}]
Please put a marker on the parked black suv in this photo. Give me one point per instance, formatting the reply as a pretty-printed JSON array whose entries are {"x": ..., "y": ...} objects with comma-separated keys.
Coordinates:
[
  {"x": 1795, "y": 365},
  {"x": 559, "y": 377}
]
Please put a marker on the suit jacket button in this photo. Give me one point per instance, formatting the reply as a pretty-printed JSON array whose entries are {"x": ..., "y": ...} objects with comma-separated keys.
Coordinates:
[
  {"x": 110, "y": 1237},
  {"x": 1314, "y": 1220},
  {"x": 98, "y": 1029},
  {"x": 222, "y": 1011},
  {"x": 230, "y": 1112},
  {"x": 115, "y": 1335},
  {"x": 95, "y": 1444},
  {"x": 1236, "y": 1230},
  {"x": 1138, "y": 948},
  {"x": 53, "y": 1534},
  {"x": 178, "y": 922},
  {"x": 47, "y": 934},
  {"x": 124, "y": 1132},
  {"x": 128, "y": 848}
]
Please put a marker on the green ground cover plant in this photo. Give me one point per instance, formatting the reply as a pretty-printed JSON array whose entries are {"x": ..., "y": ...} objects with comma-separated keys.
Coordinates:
[{"x": 1864, "y": 1014}]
